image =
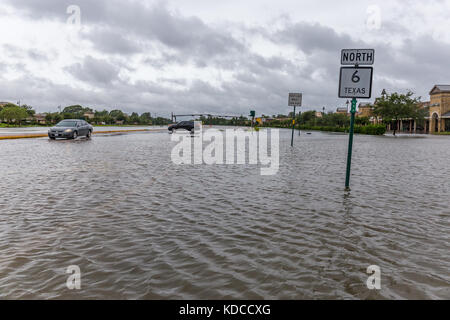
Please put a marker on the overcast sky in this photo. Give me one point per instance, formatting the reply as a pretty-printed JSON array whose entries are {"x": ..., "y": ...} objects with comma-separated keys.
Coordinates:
[{"x": 221, "y": 57}]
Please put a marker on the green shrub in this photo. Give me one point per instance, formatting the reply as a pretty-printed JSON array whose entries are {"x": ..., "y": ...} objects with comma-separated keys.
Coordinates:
[{"x": 372, "y": 129}]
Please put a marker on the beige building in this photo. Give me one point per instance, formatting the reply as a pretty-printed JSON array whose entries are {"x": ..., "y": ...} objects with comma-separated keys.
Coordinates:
[
  {"x": 365, "y": 110},
  {"x": 40, "y": 118},
  {"x": 439, "y": 119},
  {"x": 342, "y": 110},
  {"x": 89, "y": 115}
]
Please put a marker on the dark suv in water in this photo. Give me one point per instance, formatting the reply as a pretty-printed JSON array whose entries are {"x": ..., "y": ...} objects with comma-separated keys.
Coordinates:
[
  {"x": 70, "y": 129},
  {"x": 186, "y": 125}
]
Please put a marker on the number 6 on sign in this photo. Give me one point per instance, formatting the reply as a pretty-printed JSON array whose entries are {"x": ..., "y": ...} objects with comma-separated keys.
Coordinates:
[{"x": 355, "y": 78}]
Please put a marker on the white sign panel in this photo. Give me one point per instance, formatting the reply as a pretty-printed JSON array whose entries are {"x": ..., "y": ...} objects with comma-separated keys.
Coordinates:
[
  {"x": 295, "y": 99},
  {"x": 355, "y": 82},
  {"x": 357, "y": 56}
]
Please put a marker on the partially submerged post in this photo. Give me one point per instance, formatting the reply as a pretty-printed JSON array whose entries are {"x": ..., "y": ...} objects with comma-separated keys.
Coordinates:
[
  {"x": 355, "y": 82},
  {"x": 295, "y": 100},
  {"x": 350, "y": 143},
  {"x": 252, "y": 114}
]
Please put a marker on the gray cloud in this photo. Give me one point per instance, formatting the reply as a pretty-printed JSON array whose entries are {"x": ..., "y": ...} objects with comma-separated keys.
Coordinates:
[
  {"x": 310, "y": 37},
  {"x": 94, "y": 71},
  {"x": 240, "y": 77},
  {"x": 112, "y": 41}
]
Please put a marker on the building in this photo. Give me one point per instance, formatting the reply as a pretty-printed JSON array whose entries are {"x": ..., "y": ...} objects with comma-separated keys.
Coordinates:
[
  {"x": 365, "y": 110},
  {"x": 40, "y": 118},
  {"x": 319, "y": 114},
  {"x": 439, "y": 105},
  {"x": 89, "y": 115},
  {"x": 342, "y": 110}
]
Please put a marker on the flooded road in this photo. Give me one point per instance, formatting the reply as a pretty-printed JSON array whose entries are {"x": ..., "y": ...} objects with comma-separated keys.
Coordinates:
[{"x": 141, "y": 227}]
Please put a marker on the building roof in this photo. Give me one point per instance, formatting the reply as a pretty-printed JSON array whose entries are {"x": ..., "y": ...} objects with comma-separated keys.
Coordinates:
[
  {"x": 446, "y": 115},
  {"x": 439, "y": 88}
]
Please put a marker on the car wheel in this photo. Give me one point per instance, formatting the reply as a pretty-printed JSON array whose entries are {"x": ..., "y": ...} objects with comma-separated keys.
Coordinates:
[
  {"x": 88, "y": 135},
  {"x": 75, "y": 135}
]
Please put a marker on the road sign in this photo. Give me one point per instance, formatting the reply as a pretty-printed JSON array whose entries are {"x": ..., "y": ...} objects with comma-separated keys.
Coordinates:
[
  {"x": 357, "y": 56},
  {"x": 355, "y": 82},
  {"x": 295, "y": 99}
]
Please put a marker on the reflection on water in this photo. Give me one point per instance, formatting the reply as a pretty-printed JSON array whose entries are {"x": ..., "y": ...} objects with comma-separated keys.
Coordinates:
[{"x": 140, "y": 227}]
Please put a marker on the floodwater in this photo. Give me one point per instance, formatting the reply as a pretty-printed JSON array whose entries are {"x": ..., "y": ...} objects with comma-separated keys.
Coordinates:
[{"x": 140, "y": 227}]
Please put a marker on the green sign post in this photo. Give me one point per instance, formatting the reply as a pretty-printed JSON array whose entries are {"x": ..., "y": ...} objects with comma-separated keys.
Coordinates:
[
  {"x": 356, "y": 83},
  {"x": 253, "y": 115},
  {"x": 350, "y": 144},
  {"x": 293, "y": 128}
]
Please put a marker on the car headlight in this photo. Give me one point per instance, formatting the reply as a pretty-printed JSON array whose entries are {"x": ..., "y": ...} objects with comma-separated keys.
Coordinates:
[{"x": 68, "y": 130}]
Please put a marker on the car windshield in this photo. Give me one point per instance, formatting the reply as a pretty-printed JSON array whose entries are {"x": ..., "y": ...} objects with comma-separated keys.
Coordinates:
[{"x": 69, "y": 124}]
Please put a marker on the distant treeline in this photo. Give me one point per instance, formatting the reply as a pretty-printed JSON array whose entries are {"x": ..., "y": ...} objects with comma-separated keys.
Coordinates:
[
  {"x": 17, "y": 115},
  {"x": 105, "y": 116},
  {"x": 309, "y": 120}
]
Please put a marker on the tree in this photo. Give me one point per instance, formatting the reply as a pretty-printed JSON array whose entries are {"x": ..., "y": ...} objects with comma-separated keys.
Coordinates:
[
  {"x": 397, "y": 106},
  {"x": 145, "y": 118},
  {"x": 117, "y": 115},
  {"x": 53, "y": 117},
  {"x": 15, "y": 113},
  {"x": 307, "y": 116},
  {"x": 134, "y": 118},
  {"x": 29, "y": 110},
  {"x": 76, "y": 110}
]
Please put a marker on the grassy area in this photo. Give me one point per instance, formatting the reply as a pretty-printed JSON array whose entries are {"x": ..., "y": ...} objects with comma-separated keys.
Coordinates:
[
  {"x": 442, "y": 133},
  {"x": 375, "y": 130},
  {"x": 5, "y": 125}
]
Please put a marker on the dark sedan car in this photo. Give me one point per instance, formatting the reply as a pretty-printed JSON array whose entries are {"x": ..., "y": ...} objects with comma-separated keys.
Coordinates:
[
  {"x": 70, "y": 129},
  {"x": 186, "y": 125}
]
